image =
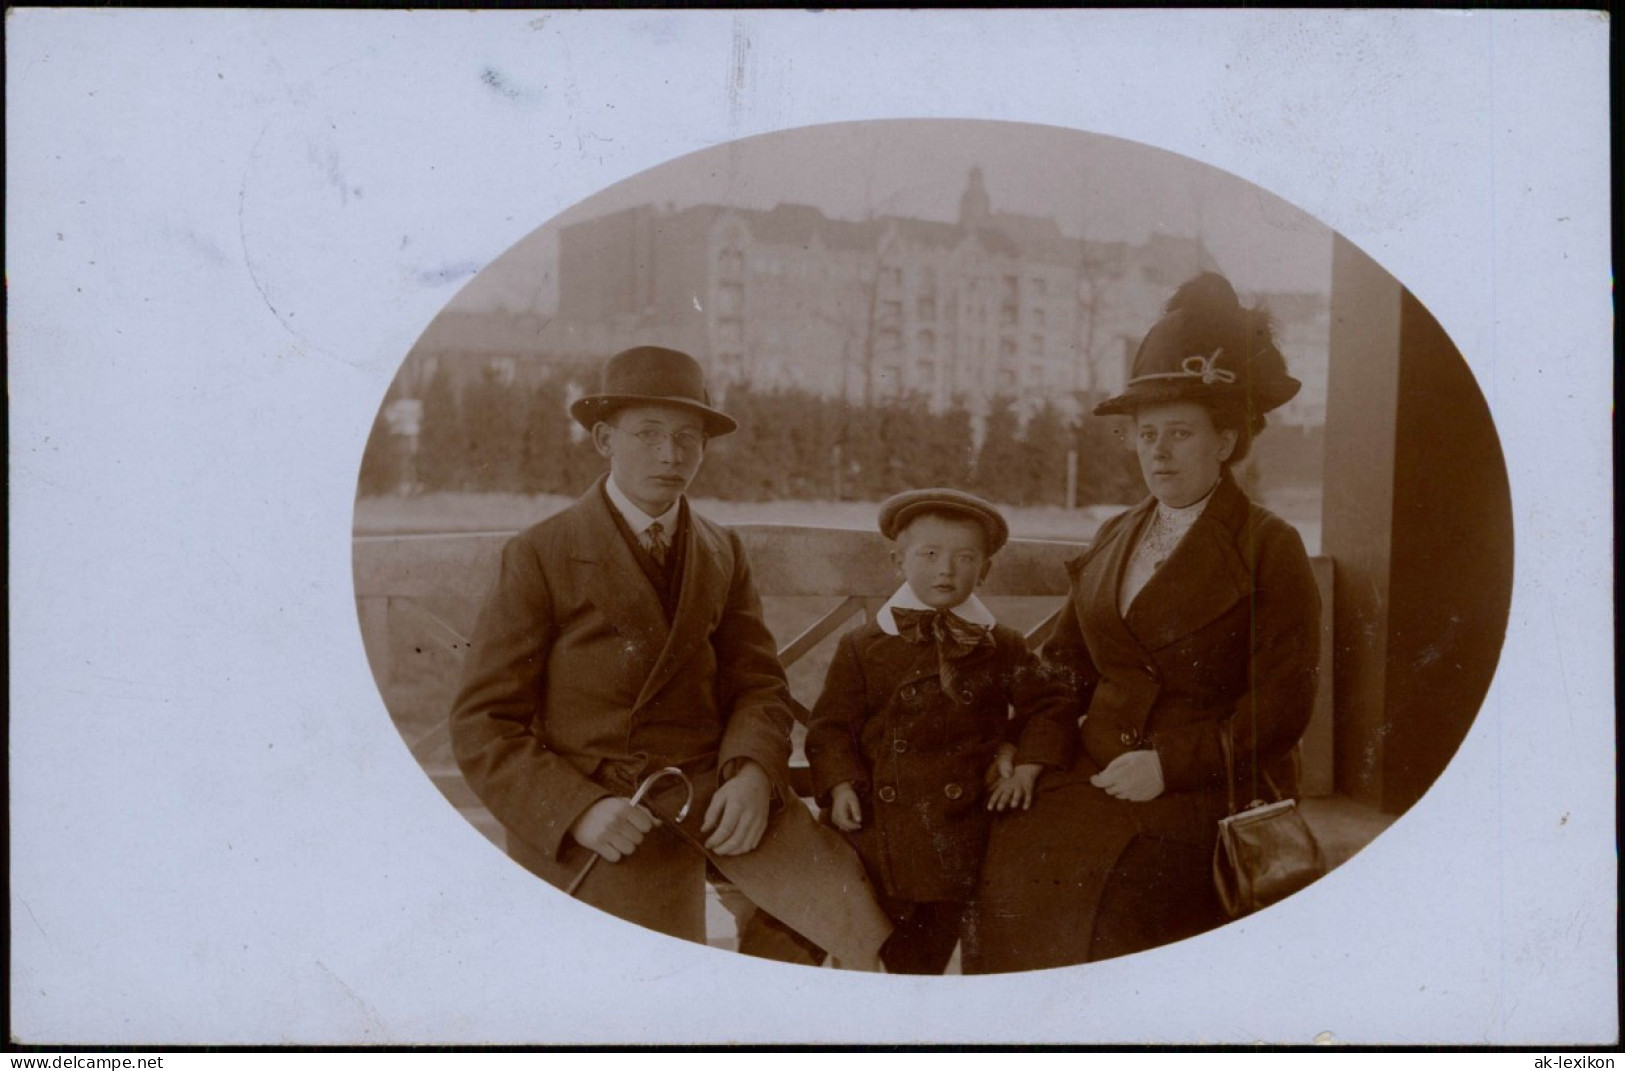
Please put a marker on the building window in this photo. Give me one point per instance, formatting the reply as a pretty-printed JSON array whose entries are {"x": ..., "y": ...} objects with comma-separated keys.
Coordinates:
[
  {"x": 891, "y": 278},
  {"x": 1039, "y": 318},
  {"x": 926, "y": 308},
  {"x": 886, "y": 380},
  {"x": 1035, "y": 345},
  {"x": 926, "y": 373},
  {"x": 1007, "y": 348},
  {"x": 891, "y": 312},
  {"x": 888, "y": 340},
  {"x": 730, "y": 300},
  {"x": 501, "y": 370},
  {"x": 1040, "y": 287},
  {"x": 1009, "y": 300},
  {"x": 731, "y": 263},
  {"x": 927, "y": 342}
]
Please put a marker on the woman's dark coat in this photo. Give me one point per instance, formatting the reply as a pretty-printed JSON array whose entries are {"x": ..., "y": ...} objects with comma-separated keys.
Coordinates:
[{"x": 1224, "y": 638}]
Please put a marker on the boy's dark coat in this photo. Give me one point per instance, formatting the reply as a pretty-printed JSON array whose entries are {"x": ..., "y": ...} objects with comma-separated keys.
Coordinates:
[{"x": 918, "y": 756}]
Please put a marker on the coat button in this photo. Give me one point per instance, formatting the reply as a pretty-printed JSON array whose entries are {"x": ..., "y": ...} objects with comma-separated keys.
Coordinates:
[
  {"x": 952, "y": 791},
  {"x": 887, "y": 794},
  {"x": 1127, "y": 738},
  {"x": 965, "y": 696},
  {"x": 908, "y": 692},
  {"x": 899, "y": 746}
]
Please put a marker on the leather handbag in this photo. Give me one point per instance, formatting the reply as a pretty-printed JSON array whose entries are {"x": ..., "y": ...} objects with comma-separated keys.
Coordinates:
[{"x": 1265, "y": 852}]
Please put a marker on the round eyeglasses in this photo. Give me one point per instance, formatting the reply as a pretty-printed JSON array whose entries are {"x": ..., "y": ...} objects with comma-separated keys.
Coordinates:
[{"x": 686, "y": 439}]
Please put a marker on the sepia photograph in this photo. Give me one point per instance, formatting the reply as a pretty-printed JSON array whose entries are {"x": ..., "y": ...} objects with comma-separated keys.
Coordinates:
[
  {"x": 977, "y": 322},
  {"x": 703, "y": 528}
]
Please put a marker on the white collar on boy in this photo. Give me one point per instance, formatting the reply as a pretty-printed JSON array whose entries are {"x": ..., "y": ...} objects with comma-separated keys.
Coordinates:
[
  {"x": 972, "y": 610},
  {"x": 635, "y": 518}
]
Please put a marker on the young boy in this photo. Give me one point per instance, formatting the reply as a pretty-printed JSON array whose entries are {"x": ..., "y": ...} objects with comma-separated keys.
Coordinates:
[{"x": 915, "y": 717}]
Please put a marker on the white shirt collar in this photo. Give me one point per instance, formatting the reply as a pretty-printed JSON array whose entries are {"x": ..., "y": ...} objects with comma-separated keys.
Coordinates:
[
  {"x": 972, "y": 610},
  {"x": 635, "y": 518}
]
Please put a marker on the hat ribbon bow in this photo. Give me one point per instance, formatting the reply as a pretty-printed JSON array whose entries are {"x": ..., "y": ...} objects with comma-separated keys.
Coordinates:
[{"x": 1207, "y": 368}]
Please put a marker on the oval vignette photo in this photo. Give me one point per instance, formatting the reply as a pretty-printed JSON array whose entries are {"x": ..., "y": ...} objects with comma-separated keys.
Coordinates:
[{"x": 933, "y": 546}]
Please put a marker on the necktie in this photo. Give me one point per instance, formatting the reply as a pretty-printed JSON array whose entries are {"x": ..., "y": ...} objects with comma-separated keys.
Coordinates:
[
  {"x": 656, "y": 543},
  {"x": 953, "y": 635}
]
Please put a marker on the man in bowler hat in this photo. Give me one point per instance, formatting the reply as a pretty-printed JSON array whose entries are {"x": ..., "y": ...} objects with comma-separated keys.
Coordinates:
[{"x": 624, "y": 635}]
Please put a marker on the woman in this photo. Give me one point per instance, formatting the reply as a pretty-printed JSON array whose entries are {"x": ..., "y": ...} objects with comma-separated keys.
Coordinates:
[{"x": 1191, "y": 616}]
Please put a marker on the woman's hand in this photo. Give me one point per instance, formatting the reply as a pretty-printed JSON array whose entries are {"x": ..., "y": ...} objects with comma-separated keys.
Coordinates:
[
  {"x": 844, "y": 809},
  {"x": 1015, "y": 790},
  {"x": 1135, "y": 776}
]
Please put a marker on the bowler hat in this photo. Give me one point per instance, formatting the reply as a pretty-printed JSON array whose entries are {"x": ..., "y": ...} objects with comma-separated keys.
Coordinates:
[
  {"x": 652, "y": 375},
  {"x": 898, "y": 511},
  {"x": 1207, "y": 348}
]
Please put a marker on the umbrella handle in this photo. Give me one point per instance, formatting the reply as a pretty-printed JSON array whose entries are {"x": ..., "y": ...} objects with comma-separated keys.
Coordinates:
[{"x": 637, "y": 797}]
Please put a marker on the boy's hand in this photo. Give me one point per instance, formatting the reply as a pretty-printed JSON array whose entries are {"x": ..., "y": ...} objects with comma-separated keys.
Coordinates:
[
  {"x": 1002, "y": 766},
  {"x": 612, "y": 827},
  {"x": 844, "y": 809},
  {"x": 738, "y": 814},
  {"x": 1015, "y": 790}
]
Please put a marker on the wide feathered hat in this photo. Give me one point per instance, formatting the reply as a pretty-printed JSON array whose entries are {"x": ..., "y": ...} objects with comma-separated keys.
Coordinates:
[
  {"x": 652, "y": 375},
  {"x": 1207, "y": 348}
]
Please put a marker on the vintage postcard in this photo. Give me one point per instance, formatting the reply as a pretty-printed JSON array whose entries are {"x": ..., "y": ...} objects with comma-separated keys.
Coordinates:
[{"x": 881, "y": 395}]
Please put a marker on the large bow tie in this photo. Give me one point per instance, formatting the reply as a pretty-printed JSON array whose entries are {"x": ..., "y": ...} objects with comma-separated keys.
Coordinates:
[{"x": 953, "y": 635}]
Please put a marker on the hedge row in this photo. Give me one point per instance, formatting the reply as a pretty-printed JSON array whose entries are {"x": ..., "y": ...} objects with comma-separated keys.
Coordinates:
[{"x": 790, "y": 445}]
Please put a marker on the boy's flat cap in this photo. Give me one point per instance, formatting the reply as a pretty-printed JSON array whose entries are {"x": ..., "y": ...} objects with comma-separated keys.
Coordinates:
[{"x": 898, "y": 510}]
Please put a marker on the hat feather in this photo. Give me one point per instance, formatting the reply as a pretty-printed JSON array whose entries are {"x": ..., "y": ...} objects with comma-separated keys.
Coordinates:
[
  {"x": 1211, "y": 308},
  {"x": 1205, "y": 319},
  {"x": 1209, "y": 298}
]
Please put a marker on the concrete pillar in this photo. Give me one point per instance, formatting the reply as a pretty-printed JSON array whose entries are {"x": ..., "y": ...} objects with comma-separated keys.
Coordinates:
[{"x": 1418, "y": 520}]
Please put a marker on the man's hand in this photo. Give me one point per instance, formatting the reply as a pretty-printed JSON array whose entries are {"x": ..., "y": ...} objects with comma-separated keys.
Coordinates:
[
  {"x": 1015, "y": 790},
  {"x": 1135, "y": 776},
  {"x": 844, "y": 809},
  {"x": 737, "y": 817},
  {"x": 612, "y": 827}
]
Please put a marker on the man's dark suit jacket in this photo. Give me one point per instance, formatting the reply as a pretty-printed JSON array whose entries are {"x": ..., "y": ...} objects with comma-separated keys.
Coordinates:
[{"x": 576, "y": 687}]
